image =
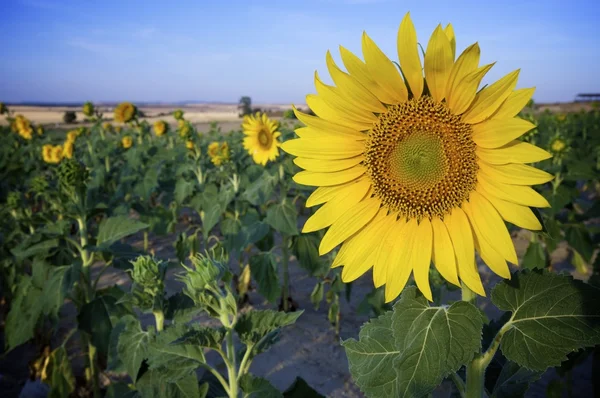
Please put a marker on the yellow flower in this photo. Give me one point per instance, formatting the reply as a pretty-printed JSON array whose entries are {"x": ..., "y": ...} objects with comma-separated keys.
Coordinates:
[
  {"x": 88, "y": 109},
  {"x": 127, "y": 142},
  {"x": 107, "y": 127},
  {"x": 189, "y": 144},
  {"x": 410, "y": 173},
  {"x": 558, "y": 145},
  {"x": 178, "y": 114},
  {"x": 39, "y": 130},
  {"x": 261, "y": 138},
  {"x": 125, "y": 112},
  {"x": 213, "y": 149},
  {"x": 72, "y": 135},
  {"x": 26, "y": 133},
  {"x": 68, "y": 147},
  {"x": 225, "y": 153},
  {"x": 160, "y": 127},
  {"x": 47, "y": 153},
  {"x": 561, "y": 118},
  {"x": 57, "y": 154},
  {"x": 181, "y": 123}
]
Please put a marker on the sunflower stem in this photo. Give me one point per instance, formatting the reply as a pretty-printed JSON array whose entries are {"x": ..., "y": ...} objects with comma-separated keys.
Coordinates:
[
  {"x": 286, "y": 274},
  {"x": 467, "y": 294}
]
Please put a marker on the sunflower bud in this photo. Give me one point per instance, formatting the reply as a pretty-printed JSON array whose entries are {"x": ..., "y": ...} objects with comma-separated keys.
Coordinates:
[
  {"x": 127, "y": 142},
  {"x": 39, "y": 184},
  {"x": 148, "y": 287},
  {"x": 13, "y": 200},
  {"x": 88, "y": 109},
  {"x": 39, "y": 130},
  {"x": 178, "y": 114},
  {"x": 72, "y": 175},
  {"x": 107, "y": 127}
]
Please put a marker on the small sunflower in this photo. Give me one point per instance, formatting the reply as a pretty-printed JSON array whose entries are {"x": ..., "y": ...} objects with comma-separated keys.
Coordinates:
[
  {"x": 88, "y": 109},
  {"x": 26, "y": 133},
  {"x": 261, "y": 138},
  {"x": 47, "y": 153},
  {"x": 39, "y": 130},
  {"x": 189, "y": 144},
  {"x": 118, "y": 129},
  {"x": 72, "y": 135},
  {"x": 160, "y": 128},
  {"x": 127, "y": 142},
  {"x": 418, "y": 169},
  {"x": 68, "y": 148},
  {"x": 56, "y": 154},
  {"x": 178, "y": 114},
  {"x": 213, "y": 149},
  {"x": 125, "y": 112},
  {"x": 558, "y": 145}
]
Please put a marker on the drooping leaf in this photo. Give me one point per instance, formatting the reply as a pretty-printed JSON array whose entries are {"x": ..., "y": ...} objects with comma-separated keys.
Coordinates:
[
  {"x": 535, "y": 256},
  {"x": 24, "y": 250},
  {"x": 264, "y": 271},
  {"x": 113, "y": 229},
  {"x": 552, "y": 315},
  {"x": 180, "y": 308},
  {"x": 579, "y": 239},
  {"x": 252, "y": 326},
  {"x": 283, "y": 217},
  {"x": 183, "y": 189},
  {"x": 260, "y": 190},
  {"x": 257, "y": 387},
  {"x": 58, "y": 287},
  {"x": 317, "y": 295},
  {"x": 409, "y": 351}
]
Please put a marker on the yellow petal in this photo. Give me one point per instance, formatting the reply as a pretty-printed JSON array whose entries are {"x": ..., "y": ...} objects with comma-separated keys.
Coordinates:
[
  {"x": 337, "y": 100},
  {"x": 420, "y": 258},
  {"x": 358, "y": 69},
  {"x": 354, "y": 91},
  {"x": 327, "y": 179},
  {"x": 521, "y": 195},
  {"x": 311, "y": 133},
  {"x": 320, "y": 165},
  {"x": 348, "y": 224},
  {"x": 325, "y": 194},
  {"x": 362, "y": 247},
  {"x": 466, "y": 63},
  {"x": 383, "y": 71},
  {"x": 521, "y": 216},
  {"x": 492, "y": 227},
  {"x": 489, "y": 256},
  {"x": 490, "y": 98},
  {"x": 513, "y": 152},
  {"x": 408, "y": 54},
  {"x": 443, "y": 252},
  {"x": 495, "y": 133},
  {"x": 327, "y": 149},
  {"x": 438, "y": 63},
  {"x": 387, "y": 243},
  {"x": 322, "y": 124},
  {"x": 398, "y": 259},
  {"x": 516, "y": 174},
  {"x": 324, "y": 111},
  {"x": 463, "y": 93},
  {"x": 461, "y": 235},
  {"x": 449, "y": 31},
  {"x": 515, "y": 102}
]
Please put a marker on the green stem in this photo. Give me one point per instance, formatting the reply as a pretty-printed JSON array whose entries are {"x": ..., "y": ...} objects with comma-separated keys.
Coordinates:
[
  {"x": 286, "y": 274},
  {"x": 475, "y": 378},
  {"x": 231, "y": 367},
  {"x": 107, "y": 164},
  {"x": 459, "y": 383},
  {"x": 468, "y": 295},
  {"x": 244, "y": 364},
  {"x": 159, "y": 317},
  {"x": 145, "y": 241},
  {"x": 217, "y": 376}
]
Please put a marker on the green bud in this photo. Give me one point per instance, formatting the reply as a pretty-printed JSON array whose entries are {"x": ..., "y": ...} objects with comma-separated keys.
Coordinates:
[
  {"x": 39, "y": 184},
  {"x": 178, "y": 114},
  {"x": 88, "y": 109},
  {"x": 72, "y": 175},
  {"x": 13, "y": 200}
]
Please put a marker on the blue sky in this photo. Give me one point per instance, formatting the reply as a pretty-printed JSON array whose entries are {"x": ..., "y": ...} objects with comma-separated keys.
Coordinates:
[{"x": 112, "y": 50}]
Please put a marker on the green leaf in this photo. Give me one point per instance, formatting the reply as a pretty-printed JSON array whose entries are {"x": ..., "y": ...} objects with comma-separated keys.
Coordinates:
[
  {"x": 514, "y": 381},
  {"x": 113, "y": 229},
  {"x": 42, "y": 248},
  {"x": 535, "y": 256},
  {"x": 317, "y": 295},
  {"x": 260, "y": 190},
  {"x": 25, "y": 311},
  {"x": 203, "y": 336},
  {"x": 210, "y": 218},
  {"x": 264, "y": 270},
  {"x": 408, "y": 352},
  {"x": 283, "y": 217},
  {"x": 61, "y": 379},
  {"x": 133, "y": 345},
  {"x": 306, "y": 249},
  {"x": 579, "y": 239},
  {"x": 60, "y": 281},
  {"x": 558, "y": 200},
  {"x": 301, "y": 389},
  {"x": 150, "y": 385},
  {"x": 257, "y": 387},
  {"x": 552, "y": 315},
  {"x": 180, "y": 308},
  {"x": 252, "y": 326},
  {"x": 183, "y": 189},
  {"x": 98, "y": 317}
]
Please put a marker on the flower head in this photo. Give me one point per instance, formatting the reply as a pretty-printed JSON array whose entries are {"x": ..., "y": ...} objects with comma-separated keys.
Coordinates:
[
  {"x": 68, "y": 148},
  {"x": 127, "y": 142},
  {"x": 88, "y": 109},
  {"x": 160, "y": 127},
  {"x": 417, "y": 169},
  {"x": 72, "y": 135},
  {"x": 125, "y": 112},
  {"x": 261, "y": 138},
  {"x": 39, "y": 130},
  {"x": 178, "y": 114},
  {"x": 189, "y": 144}
]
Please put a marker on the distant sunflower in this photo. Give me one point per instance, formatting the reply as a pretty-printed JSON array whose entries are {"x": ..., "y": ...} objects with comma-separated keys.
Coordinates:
[
  {"x": 261, "y": 138},
  {"x": 72, "y": 135},
  {"x": 189, "y": 144},
  {"x": 56, "y": 154},
  {"x": 68, "y": 147},
  {"x": 127, "y": 142},
  {"x": 125, "y": 112},
  {"x": 213, "y": 149},
  {"x": 419, "y": 169},
  {"x": 160, "y": 127},
  {"x": 88, "y": 109},
  {"x": 39, "y": 130},
  {"x": 47, "y": 153}
]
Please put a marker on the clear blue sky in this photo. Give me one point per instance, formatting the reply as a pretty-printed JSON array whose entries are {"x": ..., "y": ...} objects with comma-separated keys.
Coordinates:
[{"x": 112, "y": 50}]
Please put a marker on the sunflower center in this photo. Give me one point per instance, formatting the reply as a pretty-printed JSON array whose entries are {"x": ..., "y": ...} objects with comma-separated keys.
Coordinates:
[
  {"x": 264, "y": 138},
  {"x": 421, "y": 159}
]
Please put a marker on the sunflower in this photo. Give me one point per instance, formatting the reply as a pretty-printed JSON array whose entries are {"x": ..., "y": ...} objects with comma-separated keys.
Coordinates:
[
  {"x": 417, "y": 169},
  {"x": 213, "y": 149},
  {"x": 68, "y": 147},
  {"x": 88, "y": 109},
  {"x": 160, "y": 128},
  {"x": 56, "y": 154},
  {"x": 189, "y": 144},
  {"x": 125, "y": 112},
  {"x": 261, "y": 138},
  {"x": 178, "y": 114},
  {"x": 127, "y": 142},
  {"x": 39, "y": 130},
  {"x": 47, "y": 153},
  {"x": 72, "y": 135},
  {"x": 107, "y": 127}
]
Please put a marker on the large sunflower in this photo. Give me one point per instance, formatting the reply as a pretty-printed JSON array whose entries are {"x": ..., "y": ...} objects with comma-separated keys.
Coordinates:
[
  {"x": 261, "y": 138},
  {"x": 412, "y": 170}
]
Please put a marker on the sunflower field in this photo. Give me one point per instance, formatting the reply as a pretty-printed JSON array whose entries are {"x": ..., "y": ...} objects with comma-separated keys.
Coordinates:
[{"x": 455, "y": 221}]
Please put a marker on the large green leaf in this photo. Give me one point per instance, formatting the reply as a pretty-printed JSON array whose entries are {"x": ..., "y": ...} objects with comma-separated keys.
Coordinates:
[
  {"x": 113, "y": 229},
  {"x": 257, "y": 387},
  {"x": 25, "y": 311},
  {"x": 306, "y": 249},
  {"x": 301, "y": 389},
  {"x": 514, "y": 381},
  {"x": 37, "y": 249},
  {"x": 252, "y": 326},
  {"x": 264, "y": 271},
  {"x": 535, "y": 256},
  {"x": 98, "y": 318},
  {"x": 210, "y": 218},
  {"x": 260, "y": 190},
  {"x": 408, "y": 352},
  {"x": 283, "y": 217},
  {"x": 183, "y": 189},
  {"x": 60, "y": 281},
  {"x": 133, "y": 344},
  {"x": 579, "y": 239},
  {"x": 552, "y": 315},
  {"x": 151, "y": 385}
]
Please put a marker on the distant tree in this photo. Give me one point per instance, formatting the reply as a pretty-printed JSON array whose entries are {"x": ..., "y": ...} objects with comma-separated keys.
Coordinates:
[
  {"x": 69, "y": 117},
  {"x": 245, "y": 106}
]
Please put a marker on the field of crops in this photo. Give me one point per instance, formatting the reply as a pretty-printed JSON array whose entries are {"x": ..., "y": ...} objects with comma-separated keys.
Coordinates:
[{"x": 155, "y": 260}]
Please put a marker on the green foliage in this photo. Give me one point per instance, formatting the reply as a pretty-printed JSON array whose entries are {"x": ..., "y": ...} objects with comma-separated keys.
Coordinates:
[{"x": 115, "y": 228}]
